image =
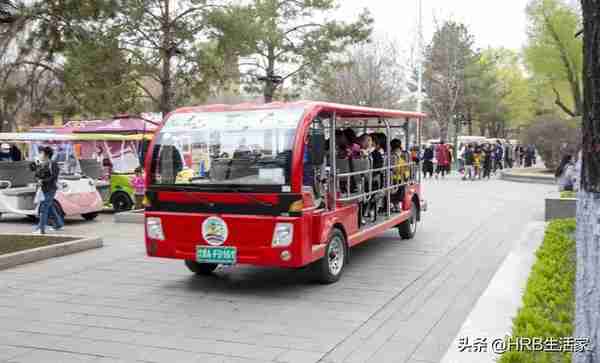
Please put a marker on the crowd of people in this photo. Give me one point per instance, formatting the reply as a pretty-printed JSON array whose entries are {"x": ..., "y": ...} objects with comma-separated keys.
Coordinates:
[{"x": 475, "y": 160}]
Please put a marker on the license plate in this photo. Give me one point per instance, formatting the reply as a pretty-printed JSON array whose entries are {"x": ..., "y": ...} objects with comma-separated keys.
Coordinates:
[{"x": 219, "y": 255}]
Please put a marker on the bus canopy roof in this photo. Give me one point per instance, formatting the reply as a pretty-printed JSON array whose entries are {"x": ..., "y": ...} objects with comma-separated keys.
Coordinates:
[{"x": 342, "y": 111}]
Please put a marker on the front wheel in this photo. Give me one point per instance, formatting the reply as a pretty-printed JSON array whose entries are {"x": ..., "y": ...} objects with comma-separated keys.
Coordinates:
[
  {"x": 408, "y": 228},
  {"x": 200, "y": 268},
  {"x": 90, "y": 216},
  {"x": 121, "y": 202},
  {"x": 329, "y": 269}
]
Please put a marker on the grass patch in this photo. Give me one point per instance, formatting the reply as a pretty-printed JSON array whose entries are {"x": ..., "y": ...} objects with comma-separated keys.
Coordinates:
[
  {"x": 10, "y": 243},
  {"x": 549, "y": 300},
  {"x": 568, "y": 194}
]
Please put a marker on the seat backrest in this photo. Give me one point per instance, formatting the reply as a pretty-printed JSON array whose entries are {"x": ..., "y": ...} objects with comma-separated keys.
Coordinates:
[
  {"x": 18, "y": 173},
  {"x": 241, "y": 168},
  {"x": 342, "y": 166},
  {"x": 218, "y": 169},
  {"x": 91, "y": 168},
  {"x": 362, "y": 164}
]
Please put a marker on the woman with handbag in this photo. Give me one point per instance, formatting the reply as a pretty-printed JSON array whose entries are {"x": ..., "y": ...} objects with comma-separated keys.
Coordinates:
[{"x": 47, "y": 175}]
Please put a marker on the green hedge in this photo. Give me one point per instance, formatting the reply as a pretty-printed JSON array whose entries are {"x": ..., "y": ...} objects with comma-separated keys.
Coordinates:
[{"x": 549, "y": 299}]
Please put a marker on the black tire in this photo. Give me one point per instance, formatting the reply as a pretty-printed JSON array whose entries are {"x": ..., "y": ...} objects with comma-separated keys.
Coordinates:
[
  {"x": 90, "y": 216},
  {"x": 32, "y": 218},
  {"x": 408, "y": 228},
  {"x": 201, "y": 268},
  {"x": 121, "y": 202},
  {"x": 329, "y": 269}
]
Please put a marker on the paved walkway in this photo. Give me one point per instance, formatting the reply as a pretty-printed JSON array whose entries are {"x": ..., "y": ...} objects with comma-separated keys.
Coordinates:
[{"x": 399, "y": 301}]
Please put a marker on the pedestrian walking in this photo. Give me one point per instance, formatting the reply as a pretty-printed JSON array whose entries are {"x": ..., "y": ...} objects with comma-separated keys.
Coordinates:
[
  {"x": 443, "y": 159},
  {"x": 476, "y": 162},
  {"x": 508, "y": 155},
  {"x": 498, "y": 156},
  {"x": 529, "y": 154},
  {"x": 46, "y": 174},
  {"x": 487, "y": 161},
  {"x": 428, "y": 156},
  {"x": 469, "y": 163}
]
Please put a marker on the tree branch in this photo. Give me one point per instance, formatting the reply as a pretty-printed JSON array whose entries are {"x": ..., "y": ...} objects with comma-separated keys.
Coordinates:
[{"x": 560, "y": 104}]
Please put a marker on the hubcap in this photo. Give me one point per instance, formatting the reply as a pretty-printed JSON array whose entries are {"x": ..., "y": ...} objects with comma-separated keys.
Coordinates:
[{"x": 335, "y": 255}]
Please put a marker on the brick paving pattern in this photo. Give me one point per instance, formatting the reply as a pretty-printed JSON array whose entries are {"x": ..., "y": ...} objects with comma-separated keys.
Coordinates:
[{"x": 399, "y": 301}]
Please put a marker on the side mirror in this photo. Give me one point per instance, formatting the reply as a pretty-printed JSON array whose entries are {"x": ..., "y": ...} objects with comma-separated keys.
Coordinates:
[{"x": 316, "y": 148}]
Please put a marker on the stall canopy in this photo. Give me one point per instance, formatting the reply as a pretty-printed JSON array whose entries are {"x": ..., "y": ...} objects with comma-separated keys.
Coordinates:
[{"x": 120, "y": 125}]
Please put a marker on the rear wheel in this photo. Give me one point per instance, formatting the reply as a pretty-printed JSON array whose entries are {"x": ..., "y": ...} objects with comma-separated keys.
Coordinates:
[
  {"x": 121, "y": 202},
  {"x": 90, "y": 216},
  {"x": 329, "y": 269},
  {"x": 408, "y": 228},
  {"x": 200, "y": 268}
]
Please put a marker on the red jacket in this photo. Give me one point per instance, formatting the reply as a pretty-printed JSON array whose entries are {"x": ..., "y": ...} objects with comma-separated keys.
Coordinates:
[{"x": 442, "y": 155}]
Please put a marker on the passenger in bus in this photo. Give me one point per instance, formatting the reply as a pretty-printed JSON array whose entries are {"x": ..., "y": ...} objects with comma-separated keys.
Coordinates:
[
  {"x": 352, "y": 140},
  {"x": 400, "y": 174},
  {"x": 366, "y": 145}
]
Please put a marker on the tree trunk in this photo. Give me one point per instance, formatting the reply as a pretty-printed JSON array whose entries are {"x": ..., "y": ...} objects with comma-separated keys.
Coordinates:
[
  {"x": 166, "y": 99},
  {"x": 587, "y": 285},
  {"x": 444, "y": 125},
  {"x": 269, "y": 89}
]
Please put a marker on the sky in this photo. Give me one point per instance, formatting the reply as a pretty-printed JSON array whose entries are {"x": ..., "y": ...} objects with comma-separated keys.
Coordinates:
[{"x": 493, "y": 23}]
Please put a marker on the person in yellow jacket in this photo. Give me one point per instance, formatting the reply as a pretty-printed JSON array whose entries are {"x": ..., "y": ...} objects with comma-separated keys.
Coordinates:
[
  {"x": 400, "y": 172},
  {"x": 477, "y": 156}
]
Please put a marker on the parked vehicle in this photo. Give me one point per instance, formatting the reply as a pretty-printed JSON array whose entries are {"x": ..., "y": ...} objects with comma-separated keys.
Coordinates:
[
  {"x": 291, "y": 204},
  {"x": 77, "y": 194},
  {"x": 118, "y": 144}
]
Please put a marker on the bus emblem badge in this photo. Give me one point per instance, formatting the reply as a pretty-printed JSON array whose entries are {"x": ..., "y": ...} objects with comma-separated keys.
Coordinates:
[{"x": 214, "y": 231}]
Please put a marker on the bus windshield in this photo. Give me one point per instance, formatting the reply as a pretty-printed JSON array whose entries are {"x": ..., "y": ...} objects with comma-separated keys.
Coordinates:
[{"x": 226, "y": 148}]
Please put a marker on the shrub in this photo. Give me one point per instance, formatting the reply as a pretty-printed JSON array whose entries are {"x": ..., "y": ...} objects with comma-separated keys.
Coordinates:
[
  {"x": 553, "y": 136},
  {"x": 549, "y": 299}
]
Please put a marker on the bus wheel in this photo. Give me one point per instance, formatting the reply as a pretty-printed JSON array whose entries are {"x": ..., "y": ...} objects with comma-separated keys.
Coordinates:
[
  {"x": 408, "y": 228},
  {"x": 200, "y": 268},
  {"x": 329, "y": 269}
]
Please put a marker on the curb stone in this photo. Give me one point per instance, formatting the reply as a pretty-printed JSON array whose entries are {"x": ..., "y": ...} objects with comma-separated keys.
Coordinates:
[
  {"x": 527, "y": 178},
  {"x": 130, "y": 217},
  {"x": 491, "y": 317},
  {"x": 46, "y": 252}
]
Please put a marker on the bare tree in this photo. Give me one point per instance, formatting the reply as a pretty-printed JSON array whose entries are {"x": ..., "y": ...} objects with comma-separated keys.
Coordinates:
[
  {"x": 587, "y": 285},
  {"x": 369, "y": 74},
  {"x": 446, "y": 60}
]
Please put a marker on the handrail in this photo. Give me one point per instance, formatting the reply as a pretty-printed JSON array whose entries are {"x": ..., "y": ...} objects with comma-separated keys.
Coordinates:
[{"x": 388, "y": 170}]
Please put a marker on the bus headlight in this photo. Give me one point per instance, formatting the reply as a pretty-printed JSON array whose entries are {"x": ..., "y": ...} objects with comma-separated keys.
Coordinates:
[
  {"x": 283, "y": 235},
  {"x": 154, "y": 229}
]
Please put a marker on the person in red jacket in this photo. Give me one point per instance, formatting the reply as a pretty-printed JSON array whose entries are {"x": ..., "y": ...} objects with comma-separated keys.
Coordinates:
[{"x": 443, "y": 159}]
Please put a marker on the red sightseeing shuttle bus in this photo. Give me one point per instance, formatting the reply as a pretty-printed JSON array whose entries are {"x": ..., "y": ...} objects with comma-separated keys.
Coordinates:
[{"x": 280, "y": 184}]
